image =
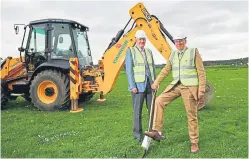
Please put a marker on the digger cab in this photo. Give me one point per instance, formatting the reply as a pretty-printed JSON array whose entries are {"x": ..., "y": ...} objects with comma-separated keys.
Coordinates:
[
  {"x": 42, "y": 72},
  {"x": 51, "y": 40}
]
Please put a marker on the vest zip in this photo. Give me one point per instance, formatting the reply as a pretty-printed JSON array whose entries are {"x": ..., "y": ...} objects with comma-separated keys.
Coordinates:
[{"x": 179, "y": 69}]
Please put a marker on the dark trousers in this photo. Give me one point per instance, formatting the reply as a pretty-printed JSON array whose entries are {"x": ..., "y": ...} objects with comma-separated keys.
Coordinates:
[{"x": 138, "y": 100}]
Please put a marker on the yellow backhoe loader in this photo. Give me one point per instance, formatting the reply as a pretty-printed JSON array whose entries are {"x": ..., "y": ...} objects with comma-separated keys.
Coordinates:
[{"x": 57, "y": 66}]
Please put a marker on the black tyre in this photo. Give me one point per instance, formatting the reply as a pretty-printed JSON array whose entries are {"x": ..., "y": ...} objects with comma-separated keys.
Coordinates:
[
  {"x": 49, "y": 91},
  {"x": 4, "y": 99}
]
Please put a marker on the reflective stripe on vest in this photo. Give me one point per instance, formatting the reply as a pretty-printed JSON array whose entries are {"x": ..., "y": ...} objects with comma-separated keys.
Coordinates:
[
  {"x": 184, "y": 68},
  {"x": 139, "y": 64}
]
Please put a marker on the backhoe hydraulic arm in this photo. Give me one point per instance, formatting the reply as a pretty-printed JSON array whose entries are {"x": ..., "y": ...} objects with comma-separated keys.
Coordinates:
[{"x": 114, "y": 57}]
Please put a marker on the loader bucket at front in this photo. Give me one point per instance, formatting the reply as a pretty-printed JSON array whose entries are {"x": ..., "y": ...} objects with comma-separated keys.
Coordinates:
[{"x": 209, "y": 94}]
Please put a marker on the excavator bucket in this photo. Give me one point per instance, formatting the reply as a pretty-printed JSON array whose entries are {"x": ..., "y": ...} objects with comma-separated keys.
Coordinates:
[{"x": 209, "y": 94}]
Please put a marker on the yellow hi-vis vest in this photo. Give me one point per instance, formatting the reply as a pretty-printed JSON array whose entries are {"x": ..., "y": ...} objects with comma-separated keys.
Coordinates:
[
  {"x": 139, "y": 64},
  {"x": 184, "y": 68}
]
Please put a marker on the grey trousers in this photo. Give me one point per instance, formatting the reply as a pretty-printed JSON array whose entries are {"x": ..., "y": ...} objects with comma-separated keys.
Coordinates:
[{"x": 138, "y": 100}]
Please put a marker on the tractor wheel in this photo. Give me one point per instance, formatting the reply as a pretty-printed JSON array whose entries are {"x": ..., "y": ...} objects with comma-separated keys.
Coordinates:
[
  {"x": 49, "y": 91},
  {"x": 4, "y": 99},
  {"x": 85, "y": 97}
]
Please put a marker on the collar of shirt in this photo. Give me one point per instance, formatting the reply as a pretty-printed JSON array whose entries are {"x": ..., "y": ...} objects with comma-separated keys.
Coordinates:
[
  {"x": 140, "y": 49},
  {"x": 181, "y": 52}
]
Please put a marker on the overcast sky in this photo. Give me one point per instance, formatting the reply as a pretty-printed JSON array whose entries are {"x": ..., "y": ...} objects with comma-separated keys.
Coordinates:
[{"x": 219, "y": 29}]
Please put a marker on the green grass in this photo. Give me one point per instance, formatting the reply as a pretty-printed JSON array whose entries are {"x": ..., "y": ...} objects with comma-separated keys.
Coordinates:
[{"x": 105, "y": 129}]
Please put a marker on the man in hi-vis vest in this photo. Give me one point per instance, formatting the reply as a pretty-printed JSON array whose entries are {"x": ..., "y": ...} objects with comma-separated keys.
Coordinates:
[
  {"x": 189, "y": 80},
  {"x": 141, "y": 74}
]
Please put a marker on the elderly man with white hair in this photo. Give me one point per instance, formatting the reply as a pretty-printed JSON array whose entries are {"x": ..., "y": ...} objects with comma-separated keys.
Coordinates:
[{"x": 140, "y": 70}]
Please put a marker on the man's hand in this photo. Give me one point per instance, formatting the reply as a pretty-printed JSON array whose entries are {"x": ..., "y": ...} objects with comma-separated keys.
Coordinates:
[
  {"x": 134, "y": 90},
  {"x": 201, "y": 98},
  {"x": 154, "y": 86}
]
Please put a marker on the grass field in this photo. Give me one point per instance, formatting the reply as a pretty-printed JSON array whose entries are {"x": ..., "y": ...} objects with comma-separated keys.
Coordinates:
[{"x": 105, "y": 129}]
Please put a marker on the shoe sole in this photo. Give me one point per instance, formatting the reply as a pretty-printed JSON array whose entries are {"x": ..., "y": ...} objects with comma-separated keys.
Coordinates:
[{"x": 154, "y": 138}]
